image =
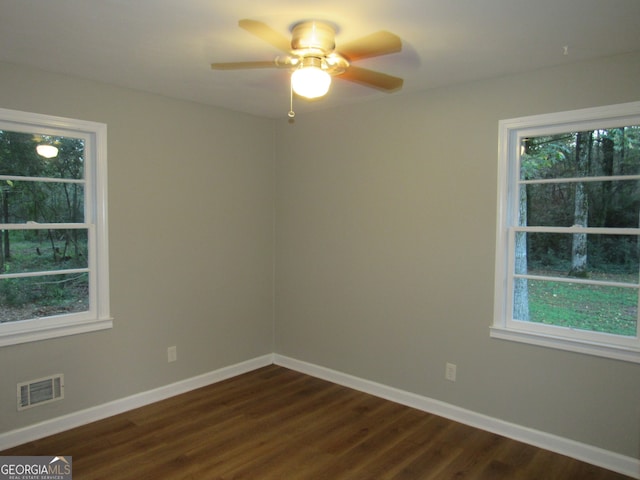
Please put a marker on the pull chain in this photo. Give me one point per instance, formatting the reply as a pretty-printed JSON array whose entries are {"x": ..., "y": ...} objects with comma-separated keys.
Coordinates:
[{"x": 291, "y": 112}]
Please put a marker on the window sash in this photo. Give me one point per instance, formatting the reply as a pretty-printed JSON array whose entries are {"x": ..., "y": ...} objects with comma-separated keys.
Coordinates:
[
  {"x": 555, "y": 330},
  {"x": 611, "y": 178},
  {"x": 91, "y": 241},
  {"x": 18, "y": 178}
]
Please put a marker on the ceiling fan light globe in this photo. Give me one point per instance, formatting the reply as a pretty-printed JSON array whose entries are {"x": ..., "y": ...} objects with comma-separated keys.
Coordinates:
[{"x": 310, "y": 82}]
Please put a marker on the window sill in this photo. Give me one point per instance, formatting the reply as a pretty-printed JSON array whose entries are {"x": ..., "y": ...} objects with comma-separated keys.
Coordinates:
[
  {"x": 571, "y": 345},
  {"x": 10, "y": 335}
]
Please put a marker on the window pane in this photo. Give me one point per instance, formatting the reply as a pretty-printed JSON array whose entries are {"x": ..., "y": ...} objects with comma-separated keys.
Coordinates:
[
  {"x": 604, "y": 152},
  {"x": 43, "y": 202},
  {"x": 36, "y": 297},
  {"x": 19, "y": 156},
  {"x": 43, "y": 250},
  {"x": 611, "y": 204},
  {"x": 584, "y": 307},
  {"x": 612, "y": 258}
]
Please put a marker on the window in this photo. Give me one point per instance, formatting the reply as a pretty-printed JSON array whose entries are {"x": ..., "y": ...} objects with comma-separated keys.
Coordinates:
[
  {"x": 568, "y": 240},
  {"x": 54, "y": 277}
]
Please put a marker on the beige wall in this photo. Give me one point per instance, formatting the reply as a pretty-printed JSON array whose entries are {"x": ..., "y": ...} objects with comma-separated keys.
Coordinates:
[
  {"x": 386, "y": 217},
  {"x": 191, "y": 245}
]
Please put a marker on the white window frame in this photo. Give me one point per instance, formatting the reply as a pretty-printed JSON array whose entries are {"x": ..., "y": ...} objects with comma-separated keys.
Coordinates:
[
  {"x": 98, "y": 316},
  {"x": 511, "y": 133}
]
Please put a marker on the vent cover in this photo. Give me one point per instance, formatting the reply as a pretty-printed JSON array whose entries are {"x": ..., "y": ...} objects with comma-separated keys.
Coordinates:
[{"x": 40, "y": 391}]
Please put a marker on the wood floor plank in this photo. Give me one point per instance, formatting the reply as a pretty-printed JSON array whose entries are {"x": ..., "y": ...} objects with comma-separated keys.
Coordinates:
[{"x": 277, "y": 424}]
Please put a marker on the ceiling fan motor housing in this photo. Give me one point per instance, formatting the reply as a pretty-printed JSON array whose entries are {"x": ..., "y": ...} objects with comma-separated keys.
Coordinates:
[
  {"x": 313, "y": 38},
  {"x": 314, "y": 44}
]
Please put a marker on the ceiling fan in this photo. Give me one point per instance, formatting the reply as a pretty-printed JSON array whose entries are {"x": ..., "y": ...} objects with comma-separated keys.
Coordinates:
[{"x": 312, "y": 58}]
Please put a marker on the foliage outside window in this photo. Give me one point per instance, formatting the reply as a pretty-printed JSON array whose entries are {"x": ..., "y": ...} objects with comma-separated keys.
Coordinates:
[
  {"x": 53, "y": 230},
  {"x": 568, "y": 241}
]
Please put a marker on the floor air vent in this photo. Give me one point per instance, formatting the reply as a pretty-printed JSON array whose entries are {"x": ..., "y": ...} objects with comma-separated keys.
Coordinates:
[{"x": 40, "y": 391}]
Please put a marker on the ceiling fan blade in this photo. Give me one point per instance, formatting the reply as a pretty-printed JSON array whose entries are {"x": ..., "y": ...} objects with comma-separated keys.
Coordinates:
[
  {"x": 266, "y": 33},
  {"x": 373, "y": 79},
  {"x": 242, "y": 65},
  {"x": 376, "y": 44}
]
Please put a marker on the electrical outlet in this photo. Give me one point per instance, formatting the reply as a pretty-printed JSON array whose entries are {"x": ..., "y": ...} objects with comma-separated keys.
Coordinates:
[
  {"x": 172, "y": 354},
  {"x": 450, "y": 372}
]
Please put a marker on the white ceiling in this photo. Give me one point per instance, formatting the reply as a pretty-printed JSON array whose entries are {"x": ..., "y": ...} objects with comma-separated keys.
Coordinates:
[{"x": 166, "y": 46}]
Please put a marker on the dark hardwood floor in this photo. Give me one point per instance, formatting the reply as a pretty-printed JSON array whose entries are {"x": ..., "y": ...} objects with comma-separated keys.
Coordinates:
[{"x": 275, "y": 423}]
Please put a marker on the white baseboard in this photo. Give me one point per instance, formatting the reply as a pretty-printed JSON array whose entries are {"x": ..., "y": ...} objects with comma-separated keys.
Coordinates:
[
  {"x": 76, "y": 419},
  {"x": 587, "y": 453}
]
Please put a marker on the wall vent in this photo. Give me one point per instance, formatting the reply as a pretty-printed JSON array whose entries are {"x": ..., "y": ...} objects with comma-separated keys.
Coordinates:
[{"x": 40, "y": 391}]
